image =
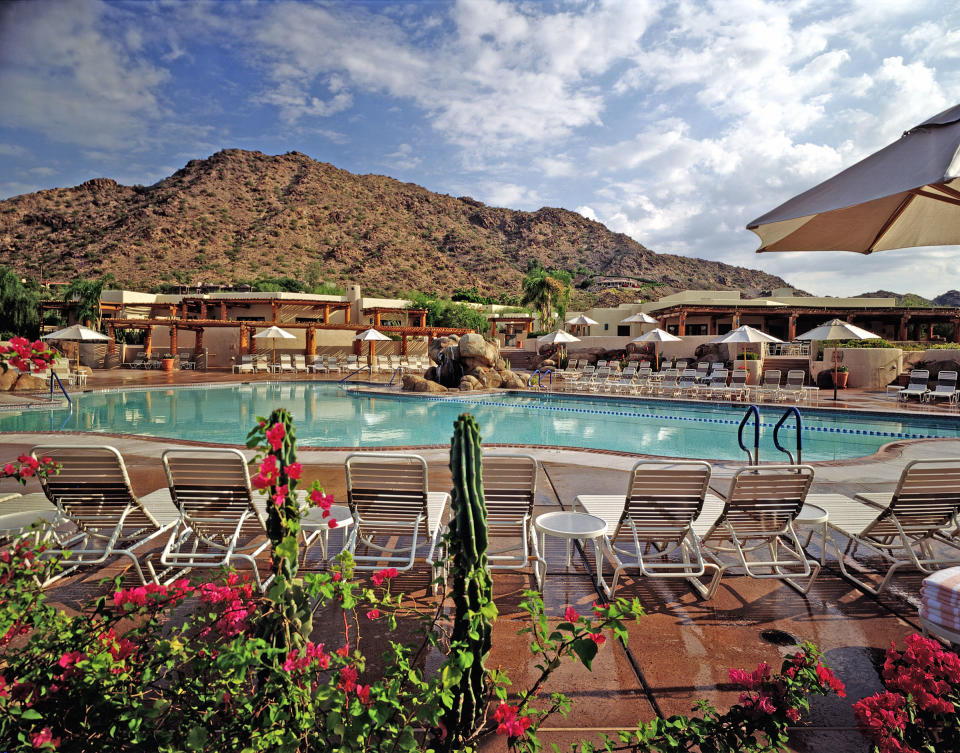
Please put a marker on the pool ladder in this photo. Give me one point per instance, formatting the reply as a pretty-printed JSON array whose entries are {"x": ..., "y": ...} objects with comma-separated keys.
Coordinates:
[
  {"x": 539, "y": 375},
  {"x": 753, "y": 454}
]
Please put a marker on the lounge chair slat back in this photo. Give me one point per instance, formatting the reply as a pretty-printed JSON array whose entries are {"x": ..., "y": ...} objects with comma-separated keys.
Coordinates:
[
  {"x": 212, "y": 490},
  {"x": 509, "y": 487},
  {"x": 93, "y": 490},
  {"x": 763, "y": 501},
  {"x": 926, "y": 499},
  {"x": 663, "y": 499},
  {"x": 387, "y": 490}
]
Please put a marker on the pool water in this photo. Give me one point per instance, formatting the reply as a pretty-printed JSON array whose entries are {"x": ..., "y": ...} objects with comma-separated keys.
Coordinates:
[{"x": 326, "y": 416}]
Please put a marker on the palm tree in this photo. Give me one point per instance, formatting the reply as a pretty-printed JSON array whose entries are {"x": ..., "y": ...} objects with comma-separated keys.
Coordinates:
[
  {"x": 85, "y": 295},
  {"x": 545, "y": 289}
]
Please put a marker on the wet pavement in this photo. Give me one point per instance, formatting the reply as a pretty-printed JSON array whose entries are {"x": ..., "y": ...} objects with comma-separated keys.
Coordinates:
[{"x": 681, "y": 650}]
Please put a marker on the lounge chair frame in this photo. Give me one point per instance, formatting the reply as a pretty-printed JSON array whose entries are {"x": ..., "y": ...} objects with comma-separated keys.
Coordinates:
[
  {"x": 388, "y": 495},
  {"x": 509, "y": 491},
  {"x": 655, "y": 517}
]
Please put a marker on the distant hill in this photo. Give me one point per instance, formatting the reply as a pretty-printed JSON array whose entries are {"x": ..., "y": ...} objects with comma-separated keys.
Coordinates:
[
  {"x": 903, "y": 299},
  {"x": 950, "y": 298},
  {"x": 239, "y": 214}
]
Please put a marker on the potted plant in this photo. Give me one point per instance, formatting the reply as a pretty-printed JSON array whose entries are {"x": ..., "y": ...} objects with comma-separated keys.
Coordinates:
[
  {"x": 166, "y": 363},
  {"x": 751, "y": 362},
  {"x": 840, "y": 375}
]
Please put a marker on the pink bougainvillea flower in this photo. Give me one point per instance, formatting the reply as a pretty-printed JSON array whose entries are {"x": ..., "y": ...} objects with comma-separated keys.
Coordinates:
[
  {"x": 275, "y": 435},
  {"x": 509, "y": 721},
  {"x": 294, "y": 470},
  {"x": 373, "y": 614},
  {"x": 363, "y": 693},
  {"x": 381, "y": 575},
  {"x": 597, "y": 638},
  {"x": 570, "y": 615},
  {"x": 321, "y": 500},
  {"x": 44, "y": 736}
]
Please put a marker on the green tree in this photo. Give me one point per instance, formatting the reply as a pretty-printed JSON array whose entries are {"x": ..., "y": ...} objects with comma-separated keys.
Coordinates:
[
  {"x": 545, "y": 290},
  {"x": 85, "y": 295},
  {"x": 445, "y": 313},
  {"x": 19, "y": 306}
]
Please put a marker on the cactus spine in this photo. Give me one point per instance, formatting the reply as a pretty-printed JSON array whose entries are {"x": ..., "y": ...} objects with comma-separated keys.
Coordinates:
[{"x": 464, "y": 673}]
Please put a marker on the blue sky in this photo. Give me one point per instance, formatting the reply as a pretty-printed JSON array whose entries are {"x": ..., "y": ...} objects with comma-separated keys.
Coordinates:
[{"x": 674, "y": 122}]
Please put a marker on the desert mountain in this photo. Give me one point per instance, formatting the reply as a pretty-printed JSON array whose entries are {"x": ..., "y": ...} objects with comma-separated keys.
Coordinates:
[{"x": 238, "y": 215}]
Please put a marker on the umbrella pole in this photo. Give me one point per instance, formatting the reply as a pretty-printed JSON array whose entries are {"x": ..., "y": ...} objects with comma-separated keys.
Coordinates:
[{"x": 834, "y": 375}]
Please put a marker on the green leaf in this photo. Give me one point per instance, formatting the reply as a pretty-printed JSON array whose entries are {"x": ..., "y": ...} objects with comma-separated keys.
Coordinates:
[
  {"x": 586, "y": 649},
  {"x": 31, "y": 714}
]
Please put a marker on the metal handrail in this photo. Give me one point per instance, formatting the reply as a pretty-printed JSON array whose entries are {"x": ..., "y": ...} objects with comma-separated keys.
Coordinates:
[
  {"x": 776, "y": 431},
  {"x": 394, "y": 374},
  {"x": 53, "y": 375},
  {"x": 540, "y": 375},
  {"x": 351, "y": 374},
  {"x": 754, "y": 458}
]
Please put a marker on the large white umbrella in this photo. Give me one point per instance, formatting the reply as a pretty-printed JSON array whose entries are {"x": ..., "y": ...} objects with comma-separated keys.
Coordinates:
[
  {"x": 581, "y": 321},
  {"x": 656, "y": 336},
  {"x": 745, "y": 334},
  {"x": 273, "y": 334},
  {"x": 371, "y": 336},
  {"x": 77, "y": 334},
  {"x": 557, "y": 336},
  {"x": 837, "y": 329},
  {"x": 905, "y": 195},
  {"x": 639, "y": 318}
]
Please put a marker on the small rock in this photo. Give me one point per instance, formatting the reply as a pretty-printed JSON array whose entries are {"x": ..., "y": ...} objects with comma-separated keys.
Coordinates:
[
  {"x": 7, "y": 379},
  {"x": 470, "y": 383},
  {"x": 29, "y": 383}
]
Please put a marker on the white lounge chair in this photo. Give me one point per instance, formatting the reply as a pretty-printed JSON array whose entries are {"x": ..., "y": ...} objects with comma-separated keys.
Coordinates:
[
  {"x": 717, "y": 384},
  {"x": 793, "y": 387},
  {"x": 770, "y": 388},
  {"x": 653, "y": 522},
  {"x": 394, "y": 512},
  {"x": 300, "y": 363},
  {"x": 245, "y": 366},
  {"x": 917, "y": 386},
  {"x": 758, "y": 515},
  {"x": 286, "y": 364},
  {"x": 509, "y": 490},
  {"x": 901, "y": 529},
  {"x": 93, "y": 492},
  {"x": 946, "y": 388}
]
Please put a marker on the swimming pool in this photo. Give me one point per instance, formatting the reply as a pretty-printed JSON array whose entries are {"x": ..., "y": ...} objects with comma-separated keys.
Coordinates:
[{"x": 326, "y": 416}]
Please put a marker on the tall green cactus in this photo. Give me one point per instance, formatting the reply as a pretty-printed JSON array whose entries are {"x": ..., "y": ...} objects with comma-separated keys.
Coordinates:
[{"x": 464, "y": 673}]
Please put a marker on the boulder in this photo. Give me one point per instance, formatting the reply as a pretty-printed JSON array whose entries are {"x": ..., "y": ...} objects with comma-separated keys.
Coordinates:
[
  {"x": 29, "y": 383},
  {"x": 477, "y": 349},
  {"x": 431, "y": 374},
  {"x": 470, "y": 383},
  {"x": 409, "y": 381},
  {"x": 7, "y": 379},
  {"x": 439, "y": 343},
  {"x": 510, "y": 380},
  {"x": 500, "y": 364},
  {"x": 427, "y": 386}
]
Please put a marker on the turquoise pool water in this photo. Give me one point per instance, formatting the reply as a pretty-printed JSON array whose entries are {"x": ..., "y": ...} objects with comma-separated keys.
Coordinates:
[{"x": 326, "y": 416}]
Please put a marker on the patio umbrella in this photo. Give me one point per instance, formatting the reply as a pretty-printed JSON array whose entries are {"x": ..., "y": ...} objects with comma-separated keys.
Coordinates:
[
  {"x": 905, "y": 195},
  {"x": 639, "y": 318},
  {"x": 581, "y": 321},
  {"x": 557, "y": 336},
  {"x": 745, "y": 334},
  {"x": 273, "y": 334},
  {"x": 656, "y": 336},
  {"x": 837, "y": 329},
  {"x": 77, "y": 334},
  {"x": 371, "y": 336}
]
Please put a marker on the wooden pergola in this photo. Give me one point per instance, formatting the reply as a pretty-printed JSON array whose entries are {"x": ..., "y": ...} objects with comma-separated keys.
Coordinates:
[
  {"x": 247, "y": 329},
  {"x": 790, "y": 320},
  {"x": 512, "y": 323},
  {"x": 199, "y": 307},
  {"x": 378, "y": 311}
]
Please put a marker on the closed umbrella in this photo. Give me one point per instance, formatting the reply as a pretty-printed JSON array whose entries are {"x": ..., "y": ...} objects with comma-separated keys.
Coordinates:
[
  {"x": 77, "y": 334},
  {"x": 273, "y": 334},
  {"x": 905, "y": 195},
  {"x": 837, "y": 329},
  {"x": 656, "y": 336},
  {"x": 371, "y": 336}
]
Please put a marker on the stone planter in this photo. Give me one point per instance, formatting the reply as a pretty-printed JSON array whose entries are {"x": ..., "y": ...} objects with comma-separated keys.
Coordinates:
[
  {"x": 840, "y": 379},
  {"x": 753, "y": 367},
  {"x": 166, "y": 364}
]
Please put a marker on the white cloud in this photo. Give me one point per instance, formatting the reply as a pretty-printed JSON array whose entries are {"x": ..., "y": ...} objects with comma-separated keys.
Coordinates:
[
  {"x": 13, "y": 150},
  {"x": 62, "y": 75},
  {"x": 509, "y": 195},
  {"x": 586, "y": 212},
  {"x": 403, "y": 158}
]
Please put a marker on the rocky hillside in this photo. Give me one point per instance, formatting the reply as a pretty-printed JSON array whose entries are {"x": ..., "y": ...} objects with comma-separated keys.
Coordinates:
[
  {"x": 950, "y": 298},
  {"x": 240, "y": 214}
]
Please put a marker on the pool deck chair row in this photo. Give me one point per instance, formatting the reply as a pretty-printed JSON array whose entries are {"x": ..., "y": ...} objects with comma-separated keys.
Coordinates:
[
  {"x": 915, "y": 527},
  {"x": 668, "y": 510},
  {"x": 394, "y": 513}
]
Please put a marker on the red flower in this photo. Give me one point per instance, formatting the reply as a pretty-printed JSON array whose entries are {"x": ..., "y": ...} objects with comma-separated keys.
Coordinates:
[
  {"x": 275, "y": 435},
  {"x": 597, "y": 638},
  {"x": 793, "y": 715},
  {"x": 363, "y": 693},
  {"x": 44, "y": 736},
  {"x": 509, "y": 723},
  {"x": 570, "y": 614},
  {"x": 380, "y": 575},
  {"x": 294, "y": 470},
  {"x": 373, "y": 614}
]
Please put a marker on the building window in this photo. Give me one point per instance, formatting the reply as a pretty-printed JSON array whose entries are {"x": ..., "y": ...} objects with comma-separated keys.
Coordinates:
[
  {"x": 623, "y": 330},
  {"x": 696, "y": 329},
  {"x": 605, "y": 326},
  {"x": 672, "y": 329}
]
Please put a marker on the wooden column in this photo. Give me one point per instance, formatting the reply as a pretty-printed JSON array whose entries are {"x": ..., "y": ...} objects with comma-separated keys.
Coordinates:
[
  {"x": 112, "y": 334},
  {"x": 326, "y": 315},
  {"x": 735, "y": 320},
  {"x": 173, "y": 340},
  {"x": 148, "y": 342},
  {"x": 183, "y": 309},
  {"x": 493, "y": 328},
  {"x": 173, "y": 312},
  {"x": 528, "y": 326},
  {"x": 682, "y": 324},
  {"x": 902, "y": 332},
  {"x": 956, "y": 330},
  {"x": 376, "y": 318},
  {"x": 792, "y": 328},
  {"x": 930, "y": 331},
  {"x": 403, "y": 345},
  {"x": 346, "y": 317},
  {"x": 274, "y": 310},
  {"x": 223, "y": 311},
  {"x": 203, "y": 309},
  {"x": 357, "y": 347},
  {"x": 311, "y": 348},
  {"x": 244, "y": 341},
  {"x": 198, "y": 344},
  {"x": 713, "y": 326}
]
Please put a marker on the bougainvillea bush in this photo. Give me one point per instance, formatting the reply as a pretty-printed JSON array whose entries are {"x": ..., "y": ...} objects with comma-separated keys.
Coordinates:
[
  {"x": 217, "y": 665},
  {"x": 23, "y": 354},
  {"x": 918, "y": 713}
]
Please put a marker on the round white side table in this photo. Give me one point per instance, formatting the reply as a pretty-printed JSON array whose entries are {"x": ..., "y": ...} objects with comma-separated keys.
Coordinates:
[
  {"x": 568, "y": 526},
  {"x": 314, "y": 521}
]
